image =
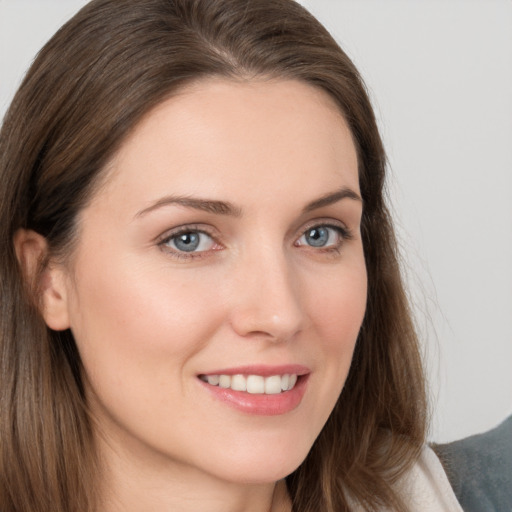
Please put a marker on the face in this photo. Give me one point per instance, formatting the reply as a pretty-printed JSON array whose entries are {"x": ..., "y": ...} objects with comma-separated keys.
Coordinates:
[{"x": 218, "y": 282}]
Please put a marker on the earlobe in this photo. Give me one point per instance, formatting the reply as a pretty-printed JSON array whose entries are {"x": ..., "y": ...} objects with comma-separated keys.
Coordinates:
[{"x": 44, "y": 279}]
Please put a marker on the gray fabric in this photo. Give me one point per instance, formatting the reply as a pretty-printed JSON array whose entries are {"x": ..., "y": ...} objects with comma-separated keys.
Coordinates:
[{"x": 480, "y": 469}]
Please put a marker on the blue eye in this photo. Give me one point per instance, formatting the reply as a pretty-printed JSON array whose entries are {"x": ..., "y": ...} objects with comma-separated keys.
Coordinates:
[
  {"x": 190, "y": 241},
  {"x": 317, "y": 237},
  {"x": 322, "y": 237}
]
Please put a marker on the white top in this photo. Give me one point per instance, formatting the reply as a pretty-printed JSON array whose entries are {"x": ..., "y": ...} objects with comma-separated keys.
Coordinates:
[{"x": 426, "y": 487}]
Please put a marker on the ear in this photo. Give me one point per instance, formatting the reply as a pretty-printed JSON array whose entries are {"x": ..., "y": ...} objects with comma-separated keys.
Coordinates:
[{"x": 42, "y": 277}]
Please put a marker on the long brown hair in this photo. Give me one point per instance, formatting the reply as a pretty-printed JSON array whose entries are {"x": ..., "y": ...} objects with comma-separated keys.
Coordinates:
[{"x": 89, "y": 86}]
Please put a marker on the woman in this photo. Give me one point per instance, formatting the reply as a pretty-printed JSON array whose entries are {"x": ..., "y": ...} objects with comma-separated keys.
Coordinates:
[{"x": 201, "y": 302}]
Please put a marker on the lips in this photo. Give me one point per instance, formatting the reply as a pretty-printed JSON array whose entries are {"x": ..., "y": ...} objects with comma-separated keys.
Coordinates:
[{"x": 262, "y": 390}]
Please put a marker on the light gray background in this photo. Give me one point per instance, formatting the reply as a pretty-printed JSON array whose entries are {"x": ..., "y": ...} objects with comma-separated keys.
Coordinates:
[{"x": 440, "y": 76}]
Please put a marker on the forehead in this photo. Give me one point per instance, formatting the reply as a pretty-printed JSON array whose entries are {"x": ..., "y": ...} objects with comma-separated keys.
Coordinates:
[{"x": 231, "y": 136}]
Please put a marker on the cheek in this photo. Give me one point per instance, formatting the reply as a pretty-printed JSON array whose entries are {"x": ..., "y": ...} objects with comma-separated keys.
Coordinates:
[
  {"x": 138, "y": 332},
  {"x": 140, "y": 325},
  {"x": 338, "y": 308}
]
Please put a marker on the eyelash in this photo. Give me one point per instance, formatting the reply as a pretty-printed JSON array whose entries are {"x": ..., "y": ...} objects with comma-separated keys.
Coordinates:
[
  {"x": 185, "y": 230},
  {"x": 343, "y": 232}
]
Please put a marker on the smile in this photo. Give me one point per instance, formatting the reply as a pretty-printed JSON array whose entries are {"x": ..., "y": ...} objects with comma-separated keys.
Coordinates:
[
  {"x": 266, "y": 390},
  {"x": 253, "y": 384}
]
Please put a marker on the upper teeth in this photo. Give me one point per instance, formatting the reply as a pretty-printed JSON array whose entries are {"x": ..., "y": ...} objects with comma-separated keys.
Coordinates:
[{"x": 253, "y": 383}]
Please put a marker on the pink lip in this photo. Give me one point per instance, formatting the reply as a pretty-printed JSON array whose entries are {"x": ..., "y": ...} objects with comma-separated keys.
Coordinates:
[{"x": 261, "y": 404}]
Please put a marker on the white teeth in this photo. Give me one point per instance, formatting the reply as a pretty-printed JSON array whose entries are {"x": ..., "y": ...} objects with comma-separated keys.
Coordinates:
[
  {"x": 213, "y": 380},
  {"x": 254, "y": 384},
  {"x": 273, "y": 385},
  {"x": 225, "y": 381},
  {"x": 239, "y": 383}
]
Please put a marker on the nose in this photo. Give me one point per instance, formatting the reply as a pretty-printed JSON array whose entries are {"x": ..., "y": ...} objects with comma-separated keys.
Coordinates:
[{"x": 266, "y": 301}]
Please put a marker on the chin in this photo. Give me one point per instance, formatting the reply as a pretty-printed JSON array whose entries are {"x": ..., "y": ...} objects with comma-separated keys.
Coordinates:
[{"x": 267, "y": 465}]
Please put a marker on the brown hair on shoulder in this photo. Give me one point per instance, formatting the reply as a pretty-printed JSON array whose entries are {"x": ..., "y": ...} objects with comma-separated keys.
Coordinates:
[{"x": 87, "y": 89}]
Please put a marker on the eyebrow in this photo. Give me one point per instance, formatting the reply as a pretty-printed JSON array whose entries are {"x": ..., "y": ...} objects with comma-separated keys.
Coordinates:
[
  {"x": 206, "y": 205},
  {"x": 328, "y": 199},
  {"x": 229, "y": 209}
]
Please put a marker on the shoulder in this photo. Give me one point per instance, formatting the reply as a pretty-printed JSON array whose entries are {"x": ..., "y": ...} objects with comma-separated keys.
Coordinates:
[
  {"x": 480, "y": 469},
  {"x": 425, "y": 488}
]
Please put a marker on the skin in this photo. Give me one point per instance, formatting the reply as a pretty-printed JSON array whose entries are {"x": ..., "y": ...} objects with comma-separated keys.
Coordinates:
[{"x": 148, "y": 319}]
